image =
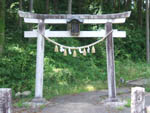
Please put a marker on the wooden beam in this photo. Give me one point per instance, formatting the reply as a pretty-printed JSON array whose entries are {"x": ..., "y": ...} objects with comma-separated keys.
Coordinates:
[
  {"x": 83, "y": 34},
  {"x": 110, "y": 64},
  {"x": 39, "y": 64},
  {"x": 85, "y": 21},
  {"x": 67, "y": 16},
  {"x": 103, "y": 21}
]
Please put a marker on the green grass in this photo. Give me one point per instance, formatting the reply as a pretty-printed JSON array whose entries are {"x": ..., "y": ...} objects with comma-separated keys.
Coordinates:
[
  {"x": 121, "y": 108},
  {"x": 130, "y": 70},
  {"x": 63, "y": 89},
  {"x": 128, "y": 103}
]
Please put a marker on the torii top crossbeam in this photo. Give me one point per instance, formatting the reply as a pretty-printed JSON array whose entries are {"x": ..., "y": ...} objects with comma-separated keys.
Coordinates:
[
  {"x": 88, "y": 19},
  {"x": 65, "y": 16}
]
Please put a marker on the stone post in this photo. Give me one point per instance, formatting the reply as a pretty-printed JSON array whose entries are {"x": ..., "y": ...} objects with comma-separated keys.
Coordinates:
[
  {"x": 137, "y": 100},
  {"x": 148, "y": 109},
  {"x": 5, "y": 100}
]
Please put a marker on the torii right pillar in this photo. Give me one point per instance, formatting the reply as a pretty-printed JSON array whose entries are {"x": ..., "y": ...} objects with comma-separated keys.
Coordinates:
[{"x": 110, "y": 64}]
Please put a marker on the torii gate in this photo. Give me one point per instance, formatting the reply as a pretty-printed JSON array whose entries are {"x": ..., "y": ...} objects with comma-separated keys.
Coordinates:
[{"x": 42, "y": 19}]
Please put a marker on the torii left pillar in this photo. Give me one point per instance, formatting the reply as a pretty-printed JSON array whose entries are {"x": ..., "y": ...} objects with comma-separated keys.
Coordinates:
[{"x": 40, "y": 64}]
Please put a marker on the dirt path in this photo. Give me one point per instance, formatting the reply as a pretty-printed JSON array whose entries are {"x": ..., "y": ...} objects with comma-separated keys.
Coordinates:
[{"x": 89, "y": 102}]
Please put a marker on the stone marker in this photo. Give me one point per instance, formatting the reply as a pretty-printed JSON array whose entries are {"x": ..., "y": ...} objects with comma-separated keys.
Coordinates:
[
  {"x": 137, "y": 100},
  {"x": 5, "y": 100},
  {"x": 148, "y": 109}
]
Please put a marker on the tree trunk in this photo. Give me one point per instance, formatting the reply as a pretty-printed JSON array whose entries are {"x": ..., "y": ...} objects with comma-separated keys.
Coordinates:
[
  {"x": 128, "y": 5},
  {"x": 2, "y": 25},
  {"x": 30, "y": 25},
  {"x": 79, "y": 6},
  {"x": 114, "y": 5},
  {"x": 69, "y": 6},
  {"x": 139, "y": 12},
  {"x": 55, "y": 6},
  {"x": 119, "y": 5},
  {"x": 147, "y": 32},
  {"x": 20, "y": 19},
  {"x": 124, "y": 4},
  {"x": 47, "y": 6},
  {"x": 31, "y": 5}
]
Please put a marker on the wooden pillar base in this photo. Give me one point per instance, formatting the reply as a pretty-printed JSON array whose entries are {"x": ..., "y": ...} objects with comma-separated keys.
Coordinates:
[
  {"x": 36, "y": 102},
  {"x": 113, "y": 100},
  {"x": 39, "y": 100}
]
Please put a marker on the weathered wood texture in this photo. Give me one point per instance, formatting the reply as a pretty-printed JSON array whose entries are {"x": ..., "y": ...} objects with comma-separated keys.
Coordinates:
[
  {"x": 83, "y": 34},
  {"x": 110, "y": 64},
  {"x": 137, "y": 100},
  {"x": 85, "y": 21},
  {"x": 67, "y": 16},
  {"x": 5, "y": 100},
  {"x": 40, "y": 61}
]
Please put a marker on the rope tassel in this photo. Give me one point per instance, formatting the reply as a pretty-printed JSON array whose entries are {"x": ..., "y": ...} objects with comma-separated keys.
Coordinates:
[
  {"x": 84, "y": 52},
  {"x": 56, "y": 48},
  {"x": 74, "y": 53},
  {"x": 93, "y": 49},
  {"x": 65, "y": 52}
]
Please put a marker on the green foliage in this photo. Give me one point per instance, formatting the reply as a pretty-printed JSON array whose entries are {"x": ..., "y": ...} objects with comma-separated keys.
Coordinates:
[
  {"x": 129, "y": 70},
  {"x": 133, "y": 47},
  {"x": 39, "y": 6},
  {"x": 16, "y": 68},
  {"x": 147, "y": 89}
]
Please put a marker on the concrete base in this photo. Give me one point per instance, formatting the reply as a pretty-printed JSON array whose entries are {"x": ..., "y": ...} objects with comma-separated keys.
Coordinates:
[
  {"x": 115, "y": 103},
  {"x": 113, "y": 100},
  {"x": 37, "y": 102}
]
